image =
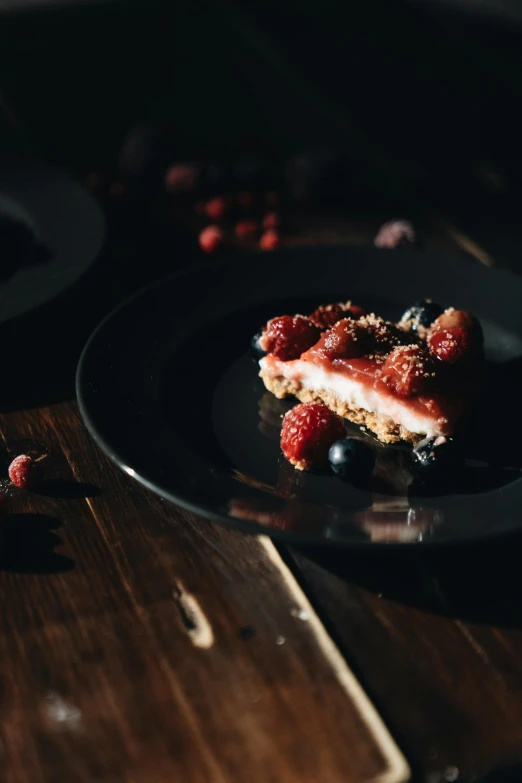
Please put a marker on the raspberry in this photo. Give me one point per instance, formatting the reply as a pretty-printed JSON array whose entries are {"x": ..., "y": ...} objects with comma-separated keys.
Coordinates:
[
  {"x": 408, "y": 371},
  {"x": 328, "y": 315},
  {"x": 308, "y": 432},
  {"x": 245, "y": 228},
  {"x": 270, "y": 240},
  {"x": 216, "y": 208},
  {"x": 452, "y": 318},
  {"x": 288, "y": 336},
  {"x": 181, "y": 178},
  {"x": 210, "y": 239},
  {"x": 450, "y": 345},
  {"x": 395, "y": 233},
  {"x": 24, "y": 472},
  {"x": 454, "y": 336},
  {"x": 347, "y": 339},
  {"x": 271, "y": 220},
  {"x": 272, "y": 198}
]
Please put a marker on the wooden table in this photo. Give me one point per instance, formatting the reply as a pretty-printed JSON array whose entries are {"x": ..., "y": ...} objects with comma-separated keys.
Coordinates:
[{"x": 141, "y": 643}]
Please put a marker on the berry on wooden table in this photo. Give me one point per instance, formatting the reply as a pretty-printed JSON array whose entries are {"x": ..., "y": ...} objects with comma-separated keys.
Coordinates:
[
  {"x": 25, "y": 472},
  {"x": 308, "y": 432}
]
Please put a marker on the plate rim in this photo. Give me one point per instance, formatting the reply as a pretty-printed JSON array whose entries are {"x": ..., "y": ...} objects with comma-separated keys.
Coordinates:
[{"x": 301, "y": 539}]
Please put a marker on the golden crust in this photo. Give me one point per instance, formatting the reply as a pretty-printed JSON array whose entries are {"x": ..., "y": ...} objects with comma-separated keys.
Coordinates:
[{"x": 387, "y": 430}]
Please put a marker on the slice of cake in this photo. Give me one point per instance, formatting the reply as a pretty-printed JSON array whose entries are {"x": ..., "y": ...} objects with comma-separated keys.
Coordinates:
[{"x": 404, "y": 381}]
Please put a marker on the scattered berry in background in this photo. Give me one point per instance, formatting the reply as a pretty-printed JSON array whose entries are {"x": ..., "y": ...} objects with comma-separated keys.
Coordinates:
[
  {"x": 216, "y": 208},
  {"x": 246, "y": 228},
  {"x": 210, "y": 239},
  {"x": 395, "y": 233},
  {"x": 270, "y": 240},
  {"x": 182, "y": 178},
  {"x": 271, "y": 220}
]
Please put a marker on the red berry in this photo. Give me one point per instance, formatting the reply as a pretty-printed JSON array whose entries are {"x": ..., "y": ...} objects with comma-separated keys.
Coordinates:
[
  {"x": 24, "y": 472},
  {"x": 271, "y": 220},
  {"x": 270, "y": 240},
  {"x": 395, "y": 233},
  {"x": 328, "y": 315},
  {"x": 408, "y": 371},
  {"x": 245, "y": 228},
  {"x": 450, "y": 345},
  {"x": 347, "y": 339},
  {"x": 181, "y": 177},
  {"x": 454, "y": 336},
  {"x": 216, "y": 208},
  {"x": 288, "y": 336},
  {"x": 210, "y": 239},
  {"x": 272, "y": 198},
  {"x": 308, "y": 432},
  {"x": 461, "y": 319}
]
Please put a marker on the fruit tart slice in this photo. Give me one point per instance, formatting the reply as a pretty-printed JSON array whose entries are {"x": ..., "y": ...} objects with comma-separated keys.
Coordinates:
[{"x": 404, "y": 381}]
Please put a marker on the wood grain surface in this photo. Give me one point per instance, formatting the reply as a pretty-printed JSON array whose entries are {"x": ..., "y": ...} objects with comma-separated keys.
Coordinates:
[{"x": 140, "y": 643}]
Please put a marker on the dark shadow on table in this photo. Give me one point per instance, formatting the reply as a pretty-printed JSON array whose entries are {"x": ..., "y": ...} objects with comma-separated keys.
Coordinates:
[
  {"x": 28, "y": 544},
  {"x": 68, "y": 490},
  {"x": 476, "y": 582}
]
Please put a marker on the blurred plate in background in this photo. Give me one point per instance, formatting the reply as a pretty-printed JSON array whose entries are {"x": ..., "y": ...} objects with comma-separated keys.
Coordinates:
[{"x": 51, "y": 231}]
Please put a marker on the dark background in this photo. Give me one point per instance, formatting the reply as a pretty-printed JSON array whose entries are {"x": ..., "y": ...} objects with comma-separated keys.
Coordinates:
[
  {"x": 415, "y": 81},
  {"x": 421, "y": 101}
]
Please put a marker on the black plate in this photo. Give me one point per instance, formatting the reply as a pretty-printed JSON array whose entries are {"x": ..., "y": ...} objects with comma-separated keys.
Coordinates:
[
  {"x": 169, "y": 389},
  {"x": 65, "y": 221}
]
